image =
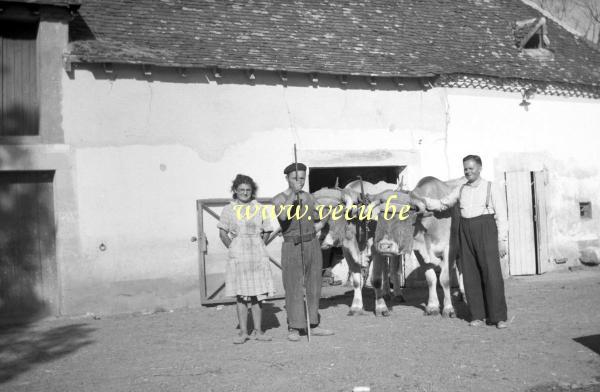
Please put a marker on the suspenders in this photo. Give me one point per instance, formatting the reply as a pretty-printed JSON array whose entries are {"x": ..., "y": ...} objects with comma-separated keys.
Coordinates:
[{"x": 487, "y": 198}]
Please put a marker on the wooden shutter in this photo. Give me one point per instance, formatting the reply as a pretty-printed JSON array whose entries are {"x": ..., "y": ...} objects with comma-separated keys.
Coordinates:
[
  {"x": 541, "y": 221},
  {"x": 521, "y": 240},
  {"x": 18, "y": 82}
]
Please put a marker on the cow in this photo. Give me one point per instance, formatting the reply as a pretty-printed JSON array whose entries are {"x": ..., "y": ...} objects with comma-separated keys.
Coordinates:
[
  {"x": 434, "y": 240},
  {"x": 354, "y": 236}
]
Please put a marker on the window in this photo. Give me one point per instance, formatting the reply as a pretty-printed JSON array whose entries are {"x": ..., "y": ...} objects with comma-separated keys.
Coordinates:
[
  {"x": 535, "y": 42},
  {"x": 585, "y": 210},
  {"x": 532, "y": 34},
  {"x": 18, "y": 79}
]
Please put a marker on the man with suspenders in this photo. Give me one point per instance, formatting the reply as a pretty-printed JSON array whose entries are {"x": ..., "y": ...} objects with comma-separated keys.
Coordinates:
[{"x": 483, "y": 240}]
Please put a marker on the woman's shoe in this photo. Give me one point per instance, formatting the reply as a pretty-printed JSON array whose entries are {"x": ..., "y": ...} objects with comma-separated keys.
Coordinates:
[
  {"x": 261, "y": 337},
  {"x": 240, "y": 339}
]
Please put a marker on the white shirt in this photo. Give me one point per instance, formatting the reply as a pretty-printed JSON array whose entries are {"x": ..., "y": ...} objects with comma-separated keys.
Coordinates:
[{"x": 472, "y": 203}]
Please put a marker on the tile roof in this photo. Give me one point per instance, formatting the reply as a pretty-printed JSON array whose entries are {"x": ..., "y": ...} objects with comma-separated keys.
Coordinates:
[{"x": 403, "y": 38}]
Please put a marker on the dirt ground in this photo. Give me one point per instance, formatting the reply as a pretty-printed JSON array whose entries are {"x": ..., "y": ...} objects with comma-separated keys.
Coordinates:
[{"x": 553, "y": 343}]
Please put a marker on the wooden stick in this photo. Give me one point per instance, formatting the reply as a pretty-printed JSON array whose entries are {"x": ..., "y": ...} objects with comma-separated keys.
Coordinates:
[{"x": 302, "y": 250}]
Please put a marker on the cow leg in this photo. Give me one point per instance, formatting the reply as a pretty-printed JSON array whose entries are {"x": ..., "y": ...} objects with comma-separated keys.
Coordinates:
[
  {"x": 356, "y": 277},
  {"x": 433, "y": 304},
  {"x": 448, "y": 310},
  {"x": 357, "y": 302},
  {"x": 395, "y": 272},
  {"x": 427, "y": 258},
  {"x": 380, "y": 271}
]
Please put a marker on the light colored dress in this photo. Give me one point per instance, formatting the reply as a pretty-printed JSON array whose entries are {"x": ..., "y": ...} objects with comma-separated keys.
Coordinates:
[{"x": 248, "y": 270}]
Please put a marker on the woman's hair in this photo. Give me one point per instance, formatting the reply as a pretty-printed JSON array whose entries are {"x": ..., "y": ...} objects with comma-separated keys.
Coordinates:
[{"x": 242, "y": 179}]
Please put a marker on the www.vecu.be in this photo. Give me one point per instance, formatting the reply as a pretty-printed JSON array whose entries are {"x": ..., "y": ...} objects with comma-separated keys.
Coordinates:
[{"x": 365, "y": 212}]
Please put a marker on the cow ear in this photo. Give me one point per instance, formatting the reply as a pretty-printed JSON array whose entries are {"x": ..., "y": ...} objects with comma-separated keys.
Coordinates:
[{"x": 418, "y": 205}]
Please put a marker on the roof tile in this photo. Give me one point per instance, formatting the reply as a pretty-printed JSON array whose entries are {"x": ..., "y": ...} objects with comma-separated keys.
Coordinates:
[{"x": 405, "y": 38}]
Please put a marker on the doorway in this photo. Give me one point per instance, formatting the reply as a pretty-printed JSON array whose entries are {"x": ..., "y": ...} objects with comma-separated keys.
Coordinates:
[
  {"x": 28, "y": 274},
  {"x": 328, "y": 177}
]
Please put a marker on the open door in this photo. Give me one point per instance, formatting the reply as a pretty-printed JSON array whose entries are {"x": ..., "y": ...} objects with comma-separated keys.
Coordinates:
[
  {"x": 521, "y": 236},
  {"x": 540, "y": 180},
  {"x": 527, "y": 222}
]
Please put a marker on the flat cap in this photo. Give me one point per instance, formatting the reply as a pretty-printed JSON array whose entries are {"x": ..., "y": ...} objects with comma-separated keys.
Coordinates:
[{"x": 292, "y": 167}]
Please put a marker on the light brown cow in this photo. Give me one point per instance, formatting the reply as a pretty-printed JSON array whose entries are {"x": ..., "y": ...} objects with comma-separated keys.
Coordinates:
[
  {"x": 354, "y": 236},
  {"x": 434, "y": 240}
]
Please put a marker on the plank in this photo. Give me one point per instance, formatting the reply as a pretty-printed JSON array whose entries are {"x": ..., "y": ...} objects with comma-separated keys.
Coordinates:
[
  {"x": 201, "y": 251},
  {"x": 19, "y": 90},
  {"x": 541, "y": 221},
  {"x": 520, "y": 223}
]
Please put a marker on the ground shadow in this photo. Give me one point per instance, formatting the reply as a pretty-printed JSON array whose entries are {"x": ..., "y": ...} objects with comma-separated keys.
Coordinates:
[
  {"x": 592, "y": 342},
  {"x": 417, "y": 297},
  {"x": 21, "y": 349},
  {"x": 557, "y": 387},
  {"x": 269, "y": 318},
  {"x": 410, "y": 296}
]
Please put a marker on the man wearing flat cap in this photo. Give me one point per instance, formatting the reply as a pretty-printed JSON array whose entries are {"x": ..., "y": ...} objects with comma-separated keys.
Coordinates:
[{"x": 300, "y": 249}]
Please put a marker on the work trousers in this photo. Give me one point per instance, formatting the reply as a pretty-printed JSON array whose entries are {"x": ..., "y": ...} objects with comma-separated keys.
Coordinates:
[
  {"x": 482, "y": 274},
  {"x": 291, "y": 263}
]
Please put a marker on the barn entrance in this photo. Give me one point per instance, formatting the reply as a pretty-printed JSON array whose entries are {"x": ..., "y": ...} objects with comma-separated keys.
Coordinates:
[
  {"x": 28, "y": 277},
  {"x": 527, "y": 222},
  {"x": 321, "y": 177}
]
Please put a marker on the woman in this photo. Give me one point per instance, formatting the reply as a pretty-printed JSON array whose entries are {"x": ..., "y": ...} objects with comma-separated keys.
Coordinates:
[{"x": 248, "y": 272}]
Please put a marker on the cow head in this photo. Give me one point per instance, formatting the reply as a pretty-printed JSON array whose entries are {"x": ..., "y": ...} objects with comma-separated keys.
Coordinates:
[{"x": 395, "y": 230}]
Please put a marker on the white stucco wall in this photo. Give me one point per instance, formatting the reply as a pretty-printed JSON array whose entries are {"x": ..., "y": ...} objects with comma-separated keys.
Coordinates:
[
  {"x": 145, "y": 151},
  {"x": 559, "y": 135}
]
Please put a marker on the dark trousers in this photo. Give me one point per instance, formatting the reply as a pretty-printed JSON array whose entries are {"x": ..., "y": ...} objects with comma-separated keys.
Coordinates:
[
  {"x": 482, "y": 274},
  {"x": 291, "y": 264}
]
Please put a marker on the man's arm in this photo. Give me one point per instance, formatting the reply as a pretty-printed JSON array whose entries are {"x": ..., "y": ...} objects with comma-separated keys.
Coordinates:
[
  {"x": 282, "y": 203},
  {"x": 443, "y": 203}
]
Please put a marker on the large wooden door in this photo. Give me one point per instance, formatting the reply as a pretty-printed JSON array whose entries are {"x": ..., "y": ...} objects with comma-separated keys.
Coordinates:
[
  {"x": 540, "y": 180},
  {"x": 28, "y": 279},
  {"x": 521, "y": 235}
]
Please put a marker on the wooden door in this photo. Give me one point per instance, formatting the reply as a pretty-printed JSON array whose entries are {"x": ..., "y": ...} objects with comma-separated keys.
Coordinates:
[
  {"x": 18, "y": 79},
  {"x": 541, "y": 221},
  {"x": 521, "y": 234},
  {"x": 28, "y": 279}
]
